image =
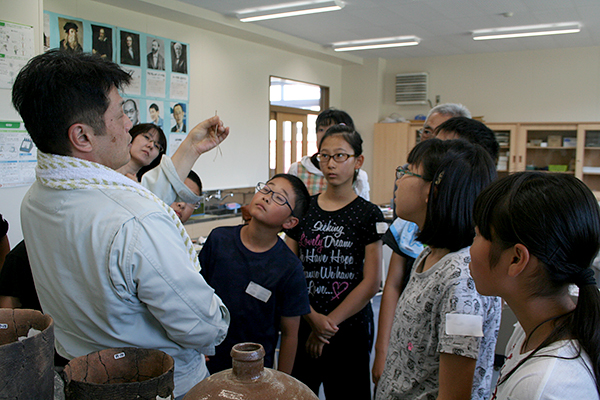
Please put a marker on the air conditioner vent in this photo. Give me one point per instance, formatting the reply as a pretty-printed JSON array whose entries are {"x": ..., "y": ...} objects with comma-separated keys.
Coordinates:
[{"x": 411, "y": 88}]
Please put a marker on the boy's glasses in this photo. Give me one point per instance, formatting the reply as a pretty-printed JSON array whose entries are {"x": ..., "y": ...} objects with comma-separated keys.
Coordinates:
[
  {"x": 196, "y": 205},
  {"x": 402, "y": 170},
  {"x": 278, "y": 198},
  {"x": 338, "y": 158}
]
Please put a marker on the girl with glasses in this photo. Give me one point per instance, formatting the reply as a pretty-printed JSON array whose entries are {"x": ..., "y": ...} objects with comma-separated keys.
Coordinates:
[
  {"x": 443, "y": 337},
  {"x": 538, "y": 233},
  {"x": 339, "y": 243},
  {"x": 308, "y": 169},
  {"x": 148, "y": 144}
]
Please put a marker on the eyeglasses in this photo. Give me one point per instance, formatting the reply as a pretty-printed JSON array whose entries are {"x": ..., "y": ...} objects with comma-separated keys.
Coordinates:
[
  {"x": 154, "y": 142},
  {"x": 425, "y": 133},
  {"x": 338, "y": 158},
  {"x": 402, "y": 170},
  {"x": 278, "y": 198}
]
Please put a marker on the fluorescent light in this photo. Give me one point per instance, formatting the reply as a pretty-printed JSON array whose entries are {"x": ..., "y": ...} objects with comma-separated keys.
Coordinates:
[
  {"x": 290, "y": 10},
  {"x": 381, "y": 43},
  {"x": 527, "y": 31}
]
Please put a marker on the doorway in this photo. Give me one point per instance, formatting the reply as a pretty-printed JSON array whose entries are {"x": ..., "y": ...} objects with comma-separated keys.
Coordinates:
[{"x": 294, "y": 107}]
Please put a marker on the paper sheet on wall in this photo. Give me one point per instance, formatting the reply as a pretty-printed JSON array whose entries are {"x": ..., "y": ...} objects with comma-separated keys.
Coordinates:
[
  {"x": 179, "y": 86},
  {"x": 135, "y": 86},
  {"x": 175, "y": 140},
  {"x": 156, "y": 83},
  {"x": 16, "y": 48},
  {"x": 18, "y": 155}
]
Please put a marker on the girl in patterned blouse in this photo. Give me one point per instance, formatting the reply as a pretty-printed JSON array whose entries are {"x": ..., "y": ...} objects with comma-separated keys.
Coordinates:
[{"x": 443, "y": 337}]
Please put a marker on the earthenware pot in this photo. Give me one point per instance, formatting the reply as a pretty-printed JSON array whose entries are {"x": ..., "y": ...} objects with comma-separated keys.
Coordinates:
[
  {"x": 120, "y": 373},
  {"x": 249, "y": 380},
  {"x": 26, "y": 364}
]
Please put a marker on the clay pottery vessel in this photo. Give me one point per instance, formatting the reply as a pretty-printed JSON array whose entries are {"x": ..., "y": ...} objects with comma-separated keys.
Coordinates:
[
  {"x": 120, "y": 373},
  {"x": 27, "y": 365},
  {"x": 250, "y": 380}
]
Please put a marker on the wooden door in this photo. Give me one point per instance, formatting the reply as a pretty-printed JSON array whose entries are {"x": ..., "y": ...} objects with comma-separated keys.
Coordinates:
[{"x": 288, "y": 140}]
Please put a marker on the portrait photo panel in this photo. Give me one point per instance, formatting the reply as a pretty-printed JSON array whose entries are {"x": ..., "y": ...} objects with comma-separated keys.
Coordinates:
[{"x": 130, "y": 48}]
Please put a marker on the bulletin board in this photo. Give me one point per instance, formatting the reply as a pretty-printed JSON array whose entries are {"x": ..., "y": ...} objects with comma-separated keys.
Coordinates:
[{"x": 159, "y": 67}]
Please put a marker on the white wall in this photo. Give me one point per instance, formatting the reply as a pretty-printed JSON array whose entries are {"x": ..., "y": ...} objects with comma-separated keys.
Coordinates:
[
  {"x": 529, "y": 86},
  {"x": 362, "y": 88},
  {"x": 28, "y": 12}
]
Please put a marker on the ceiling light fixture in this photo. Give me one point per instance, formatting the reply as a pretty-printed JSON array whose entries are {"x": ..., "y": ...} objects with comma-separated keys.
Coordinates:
[
  {"x": 289, "y": 10},
  {"x": 527, "y": 31},
  {"x": 381, "y": 43}
]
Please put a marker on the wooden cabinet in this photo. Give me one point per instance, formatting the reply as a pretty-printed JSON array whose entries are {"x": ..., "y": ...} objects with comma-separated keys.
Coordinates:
[
  {"x": 508, "y": 159},
  {"x": 548, "y": 147},
  {"x": 572, "y": 148},
  {"x": 392, "y": 143},
  {"x": 587, "y": 166}
]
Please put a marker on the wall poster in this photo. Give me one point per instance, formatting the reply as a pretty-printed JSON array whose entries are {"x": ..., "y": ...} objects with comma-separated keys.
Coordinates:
[
  {"x": 16, "y": 48},
  {"x": 18, "y": 155}
]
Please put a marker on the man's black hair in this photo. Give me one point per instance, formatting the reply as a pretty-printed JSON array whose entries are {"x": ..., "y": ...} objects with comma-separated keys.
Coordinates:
[
  {"x": 58, "y": 89},
  {"x": 472, "y": 131}
]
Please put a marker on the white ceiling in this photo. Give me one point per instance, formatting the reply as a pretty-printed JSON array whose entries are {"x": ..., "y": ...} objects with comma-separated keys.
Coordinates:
[{"x": 444, "y": 26}]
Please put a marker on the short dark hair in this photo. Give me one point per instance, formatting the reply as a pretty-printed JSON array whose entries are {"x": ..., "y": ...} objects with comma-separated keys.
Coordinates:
[
  {"x": 332, "y": 116},
  {"x": 472, "y": 131},
  {"x": 196, "y": 179},
  {"x": 180, "y": 105},
  {"x": 58, "y": 89},
  {"x": 458, "y": 172},
  {"x": 70, "y": 25},
  {"x": 153, "y": 106},
  {"x": 162, "y": 141},
  {"x": 302, "y": 197}
]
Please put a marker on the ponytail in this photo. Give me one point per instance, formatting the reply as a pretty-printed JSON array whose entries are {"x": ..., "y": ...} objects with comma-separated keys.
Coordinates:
[
  {"x": 558, "y": 219},
  {"x": 585, "y": 325}
]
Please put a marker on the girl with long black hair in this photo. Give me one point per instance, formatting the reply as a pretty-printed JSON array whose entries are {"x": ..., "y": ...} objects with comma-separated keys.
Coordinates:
[{"x": 538, "y": 233}]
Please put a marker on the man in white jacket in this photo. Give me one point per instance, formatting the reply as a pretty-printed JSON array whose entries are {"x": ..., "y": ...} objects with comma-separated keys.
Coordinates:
[{"x": 111, "y": 262}]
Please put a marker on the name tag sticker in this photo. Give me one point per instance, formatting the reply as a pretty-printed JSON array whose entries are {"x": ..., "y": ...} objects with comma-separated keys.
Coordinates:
[
  {"x": 464, "y": 324},
  {"x": 258, "y": 292},
  {"x": 381, "y": 227}
]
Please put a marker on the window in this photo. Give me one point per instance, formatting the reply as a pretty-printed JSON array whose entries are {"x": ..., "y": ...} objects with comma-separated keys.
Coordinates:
[
  {"x": 294, "y": 109},
  {"x": 294, "y": 94}
]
